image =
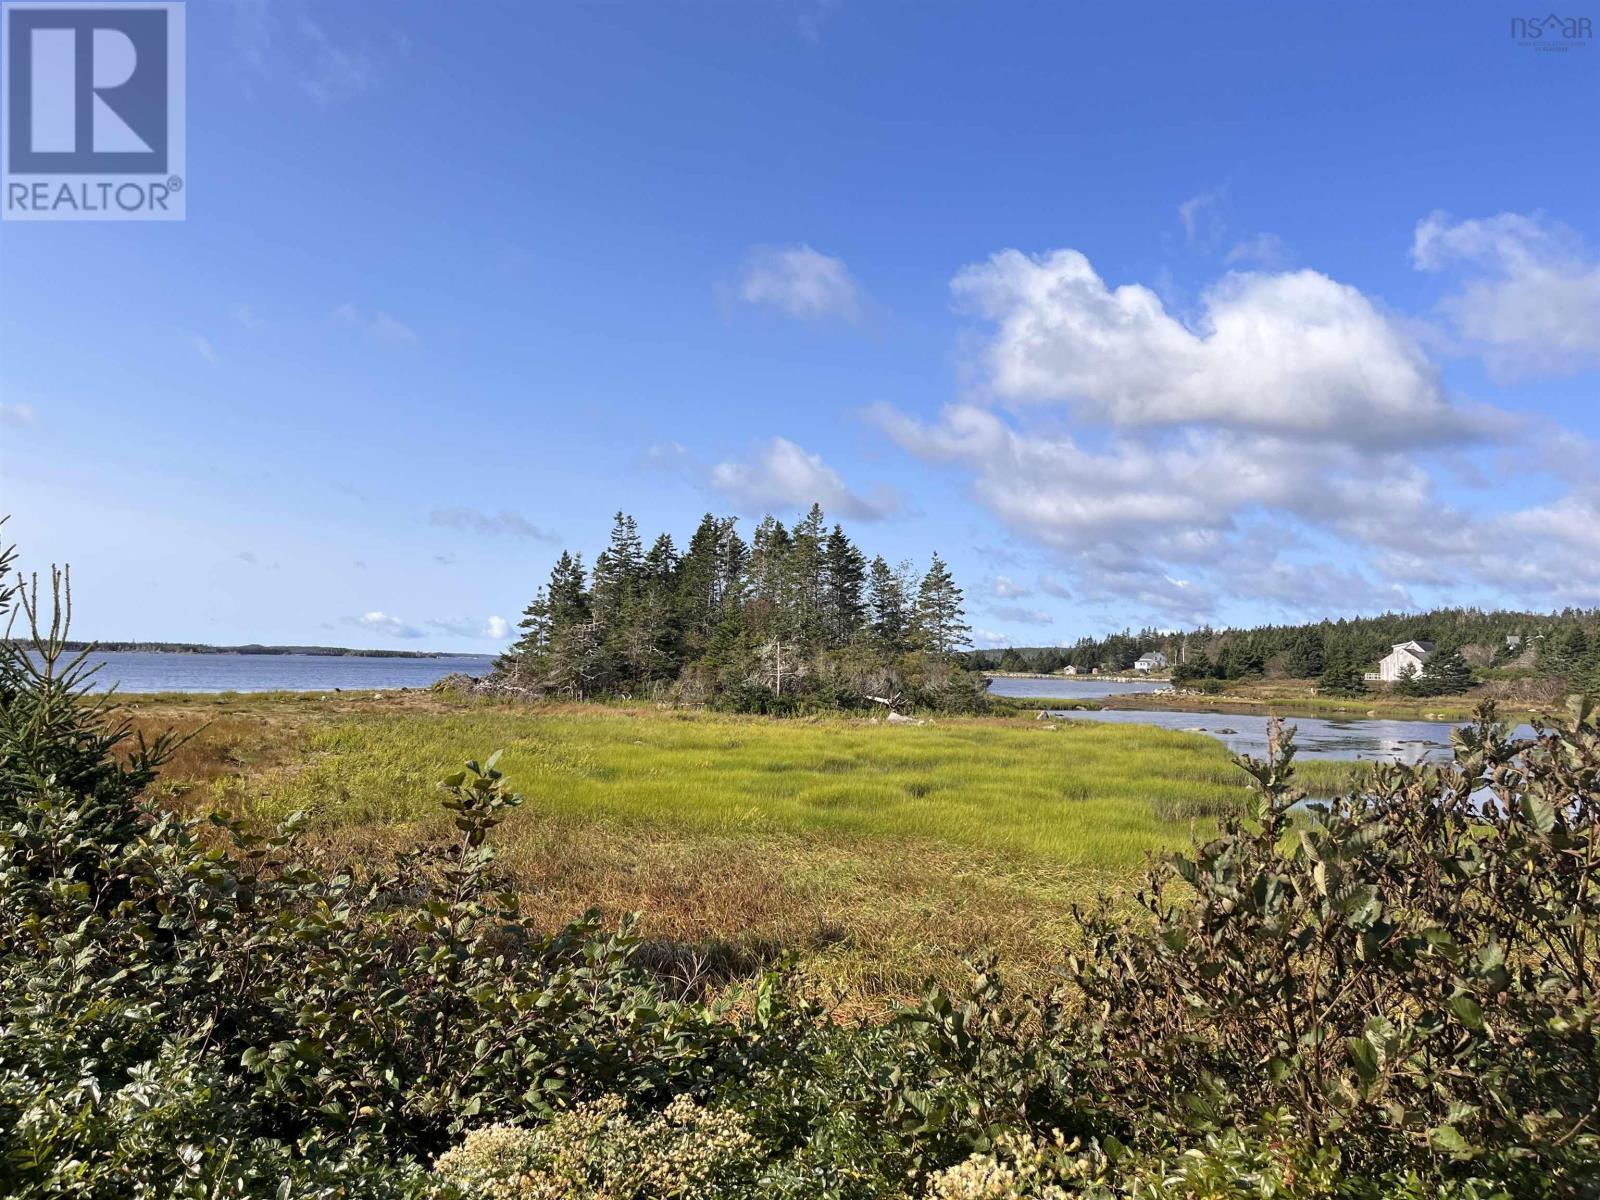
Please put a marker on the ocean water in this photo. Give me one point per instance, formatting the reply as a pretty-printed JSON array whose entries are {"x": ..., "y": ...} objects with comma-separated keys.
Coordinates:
[{"x": 149, "y": 671}]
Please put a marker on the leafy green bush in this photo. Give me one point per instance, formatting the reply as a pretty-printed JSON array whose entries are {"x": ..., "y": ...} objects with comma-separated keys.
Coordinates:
[{"x": 1411, "y": 971}]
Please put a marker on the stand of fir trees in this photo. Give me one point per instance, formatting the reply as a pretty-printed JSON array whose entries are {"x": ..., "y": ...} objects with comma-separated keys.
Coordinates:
[{"x": 795, "y": 619}]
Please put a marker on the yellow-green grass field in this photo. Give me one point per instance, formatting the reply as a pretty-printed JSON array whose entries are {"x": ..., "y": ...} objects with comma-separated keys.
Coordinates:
[{"x": 877, "y": 854}]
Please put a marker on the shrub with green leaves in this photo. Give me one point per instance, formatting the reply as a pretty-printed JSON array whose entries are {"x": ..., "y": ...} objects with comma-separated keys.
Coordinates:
[{"x": 1413, "y": 971}]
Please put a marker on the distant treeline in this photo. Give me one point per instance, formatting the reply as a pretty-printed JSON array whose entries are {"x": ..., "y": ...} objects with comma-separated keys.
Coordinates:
[
  {"x": 795, "y": 618},
  {"x": 1564, "y": 644},
  {"x": 253, "y": 648}
]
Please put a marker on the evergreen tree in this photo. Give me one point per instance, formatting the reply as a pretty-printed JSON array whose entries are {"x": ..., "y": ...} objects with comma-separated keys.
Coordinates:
[
  {"x": 1409, "y": 682},
  {"x": 528, "y": 650},
  {"x": 845, "y": 570},
  {"x": 1447, "y": 674},
  {"x": 941, "y": 619},
  {"x": 568, "y": 595},
  {"x": 886, "y": 602},
  {"x": 1305, "y": 660},
  {"x": 1341, "y": 675}
]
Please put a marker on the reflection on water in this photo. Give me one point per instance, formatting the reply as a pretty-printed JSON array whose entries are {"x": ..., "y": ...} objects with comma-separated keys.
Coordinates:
[
  {"x": 1074, "y": 687},
  {"x": 1371, "y": 740}
]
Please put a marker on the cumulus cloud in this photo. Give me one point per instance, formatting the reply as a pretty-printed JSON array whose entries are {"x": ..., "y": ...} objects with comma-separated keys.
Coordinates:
[
  {"x": 1294, "y": 353},
  {"x": 1292, "y": 421},
  {"x": 18, "y": 415},
  {"x": 801, "y": 282},
  {"x": 497, "y": 628},
  {"x": 1003, "y": 587},
  {"x": 505, "y": 523},
  {"x": 786, "y": 476},
  {"x": 1529, "y": 296}
]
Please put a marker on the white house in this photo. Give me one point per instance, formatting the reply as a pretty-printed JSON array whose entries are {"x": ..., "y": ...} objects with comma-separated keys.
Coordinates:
[
  {"x": 1154, "y": 661},
  {"x": 1069, "y": 669},
  {"x": 1414, "y": 655}
]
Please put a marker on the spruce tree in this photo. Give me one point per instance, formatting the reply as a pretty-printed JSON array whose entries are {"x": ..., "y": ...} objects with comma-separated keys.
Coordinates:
[
  {"x": 1304, "y": 660},
  {"x": 941, "y": 619},
  {"x": 845, "y": 570},
  {"x": 886, "y": 601},
  {"x": 1341, "y": 675},
  {"x": 1447, "y": 674}
]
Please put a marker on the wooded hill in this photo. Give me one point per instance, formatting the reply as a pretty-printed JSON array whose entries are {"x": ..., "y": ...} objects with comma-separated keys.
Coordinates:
[
  {"x": 794, "y": 618},
  {"x": 1563, "y": 644}
]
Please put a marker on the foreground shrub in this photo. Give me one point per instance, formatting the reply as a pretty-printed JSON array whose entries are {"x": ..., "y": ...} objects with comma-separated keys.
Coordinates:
[
  {"x": 597, "y": 1151},
  {"x": 1412, "y": 971}
]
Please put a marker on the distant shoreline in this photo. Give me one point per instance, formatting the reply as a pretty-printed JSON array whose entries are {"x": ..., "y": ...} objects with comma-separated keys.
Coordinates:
[{"x": 253, "y": 648}]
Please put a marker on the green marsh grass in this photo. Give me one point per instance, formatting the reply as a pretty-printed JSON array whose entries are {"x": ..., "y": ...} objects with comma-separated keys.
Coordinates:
[{"x": 877, "y": 854}]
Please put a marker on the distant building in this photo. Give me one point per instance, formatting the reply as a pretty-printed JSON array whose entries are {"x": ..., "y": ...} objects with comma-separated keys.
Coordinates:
[
  {"x": 1513, "y": 641},
  {"x": 1154, "y": 661},
  {"x": 1402, "y": 655},
  {"x": 1069, "y": 670}
]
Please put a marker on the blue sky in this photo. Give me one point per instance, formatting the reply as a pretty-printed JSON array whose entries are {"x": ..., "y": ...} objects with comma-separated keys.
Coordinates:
[{"x": 1188, "y": 315}]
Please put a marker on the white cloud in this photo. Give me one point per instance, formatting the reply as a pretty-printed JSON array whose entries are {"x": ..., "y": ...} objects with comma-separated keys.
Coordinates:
[
  {"x": 1214, "y": 463},
  {"x": 497, "y": 628},
  {"x": 801, "y": 282},
  {"x": 1533, "y": 304},
  {"x": 786, "y": 476},
  {"x": 1201, "y": 216},
  {"x": 379, "y": 325},
  {"x": 1293, "y": 353},
  {"x": 507, "y": 522},
  {"x": 1053, "y": 587},
  {"x": 381, "y": 622},
  {"x": 203, "y": 347},
  {"x": 18, "y": 415},
  {"x": 1003, "y": 587}
]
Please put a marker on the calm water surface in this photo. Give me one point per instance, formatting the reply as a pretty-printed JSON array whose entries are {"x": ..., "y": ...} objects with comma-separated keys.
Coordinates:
[
  {"x": 148, "y": 671},
  {"x": 1348, "y": 738},
  {"x": 1370, "y": 739},
  {"x": 1073, "y": 687}
]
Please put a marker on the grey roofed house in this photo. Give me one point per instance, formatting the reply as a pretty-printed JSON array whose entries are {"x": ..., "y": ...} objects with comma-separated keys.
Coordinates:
[
  {"x": 1403, "y": 655},
  {"x": 1154, "y": 661}
]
